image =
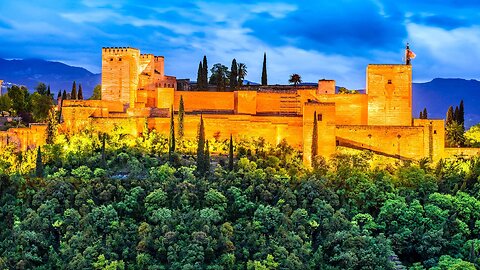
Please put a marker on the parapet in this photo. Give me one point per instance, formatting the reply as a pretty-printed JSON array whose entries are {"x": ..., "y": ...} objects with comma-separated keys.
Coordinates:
[{"x": 116, "y": 50}]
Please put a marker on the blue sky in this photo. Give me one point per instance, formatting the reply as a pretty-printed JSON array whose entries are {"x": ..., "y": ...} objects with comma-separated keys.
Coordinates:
[{"x": 316, "y": 39}]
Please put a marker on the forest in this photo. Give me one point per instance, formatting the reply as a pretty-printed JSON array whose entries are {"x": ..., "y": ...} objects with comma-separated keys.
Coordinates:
[{"x": 96, "y": 201}]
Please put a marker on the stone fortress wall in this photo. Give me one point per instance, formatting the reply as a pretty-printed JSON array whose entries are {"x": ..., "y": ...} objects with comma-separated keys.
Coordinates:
[{"x": 135, "y": 88}]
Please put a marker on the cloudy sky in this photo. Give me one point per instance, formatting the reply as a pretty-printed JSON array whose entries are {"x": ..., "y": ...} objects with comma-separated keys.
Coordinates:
[{"x": 316, "y": 39}]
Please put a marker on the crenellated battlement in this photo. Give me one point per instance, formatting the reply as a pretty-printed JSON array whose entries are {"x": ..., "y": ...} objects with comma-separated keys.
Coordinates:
[{"x": 119, "y": 50}]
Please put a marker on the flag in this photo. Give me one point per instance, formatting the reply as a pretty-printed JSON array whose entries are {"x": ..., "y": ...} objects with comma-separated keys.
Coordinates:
[{"x": 410, "y": 54}]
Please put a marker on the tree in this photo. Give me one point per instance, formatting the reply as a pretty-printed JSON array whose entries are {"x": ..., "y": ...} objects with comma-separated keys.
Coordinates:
[
  {"x": 472, "y": 136},
  {"x": 64, "y": 96},
  {"x": 205, "y": 73},
  {"x": 49, "y": 93},
  {"x": 450, "y": 118},
  {"x": 314, "y": 138},
  {"x": 454, "y": 134},
  {"x": 41, "y": 88},
  {"x": 201, "y": 146},
  {"x": 456, "y": 114},
  {"x": 234, "y": 75},
  {"x": 19, "y": 97},
  {"x": 39, "y": 164},
  {"x": 181, "y": 114},
  {"x": 51, "y": 127},
  {"x": 200, "y": 76},
  {"x": 206, "y": 160},
  {"x": 97, "y": 93},
  {"x": 80, "y": 92},
  {"x": 242, "y": 72},
  {"x": 41, "y": 105},
  {"x": 171, "y": 139},
  {"x": 73, "y": 94},
  {"x": 421, "y": 115},
  {"x": 104, "y": 156},
  {"x": 264, "y": 70},
  {"x": 219, "y": 76},
  {"x": 230, "y": 154},
  {"x": 5, "y": 103},
  {"x": 425, "y": 114},
  {"x": 295, "y": 79},
  {"x": 461, "y": 115}
]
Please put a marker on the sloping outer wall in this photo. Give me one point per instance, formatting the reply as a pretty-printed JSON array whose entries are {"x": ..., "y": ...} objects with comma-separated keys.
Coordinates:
[
  {"x": 404, "y": 142},
  {"x": 24, "y": 138}
]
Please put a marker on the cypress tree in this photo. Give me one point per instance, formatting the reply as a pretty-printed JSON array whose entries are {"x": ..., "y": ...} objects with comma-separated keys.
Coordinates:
[
  {"x": 181, "y": 114},
  {"x": 233, "y": 75},
  {"x": 314, "y": 138},
  {"x": 205, "y": 73},
  {"x": 59, "y": 94},
  {"x": 450, "y": 118},
  {"x": 201, "y": 147},
  {"x": 421, "y": 115},
  {"x": 230, "y": 154},
  {"x": 104, "y": 158},
  {"x": 264, "y": 70},
  {"x": 80, "y": 92},
  {"x": 51, "y": 127},
  {"x": 456, "y": 114},
  {"x": 73, "y": 94},
  {"x": 206, "y": 160},
  {"x": 200, "y": 76},
  {"x": 425, "y": 114},
  {"x": 39, "y": 164},
  {"x": 461, "y": 115},
  {"x": 64, "y": 95},
  {"x": 171, "y": 140},
  {"x": 48, "y": 91}
]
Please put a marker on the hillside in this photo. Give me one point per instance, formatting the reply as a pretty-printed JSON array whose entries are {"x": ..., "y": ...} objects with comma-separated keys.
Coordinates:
[
  {"x": 438, "y": 94},
  {"x": 59, "y": 76}
]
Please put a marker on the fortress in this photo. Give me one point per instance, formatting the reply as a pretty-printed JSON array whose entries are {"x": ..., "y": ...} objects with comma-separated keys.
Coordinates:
[{"x": 135, "y": 89}]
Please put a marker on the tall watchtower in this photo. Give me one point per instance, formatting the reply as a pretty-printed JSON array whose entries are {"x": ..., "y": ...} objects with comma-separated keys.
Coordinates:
[
  {"x": 389, "y": 89},
  {"x": 120, "y": 69}
]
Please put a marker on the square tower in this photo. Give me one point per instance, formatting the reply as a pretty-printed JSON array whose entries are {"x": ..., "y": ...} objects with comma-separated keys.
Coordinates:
[
  {"x": 120, "y": 69},
  {"x": 389, "y": 90}
]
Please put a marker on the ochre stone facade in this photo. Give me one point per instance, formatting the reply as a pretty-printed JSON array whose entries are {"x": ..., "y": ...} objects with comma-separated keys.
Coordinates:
[{"x": 135, "y": 88}]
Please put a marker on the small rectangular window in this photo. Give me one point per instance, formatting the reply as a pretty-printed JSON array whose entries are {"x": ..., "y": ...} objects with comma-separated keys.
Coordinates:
[
  {"x": 434, "y": 132},
  {"x": 389, "y": 81},
  {"x": 319, "y": 117}
]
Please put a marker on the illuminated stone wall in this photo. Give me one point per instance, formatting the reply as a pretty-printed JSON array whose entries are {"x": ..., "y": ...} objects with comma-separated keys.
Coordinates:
[{"x": 389, "y": 90}]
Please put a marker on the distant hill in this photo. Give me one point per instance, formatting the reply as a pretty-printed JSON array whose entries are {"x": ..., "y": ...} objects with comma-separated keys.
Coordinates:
[
  {"x": 59, "y": 76},
  {"x": 438, "y": 94}
]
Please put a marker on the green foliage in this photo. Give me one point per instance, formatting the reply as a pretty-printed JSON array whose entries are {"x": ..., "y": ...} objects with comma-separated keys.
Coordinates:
[
  {"x": 52, "y": 125},
  {"x": 73, "y": 94},
  {"x": 201, "y": 147},
  {"x": 6, "y": 103},
  {"x": 97, "y": 93},
  {"x": 233, "y": 75},
  {"x": 268, "y": 212},
  {"x": 230, "y": 154},
  {"x": 472, "y": 136},
  {"x": 19, "y": 97},
  {"x": 80, "y": 92},
  {"x": 171, "y": 138},
  {"x": 41, "y": 106},
  {"x": 242, "y": 72},
  {"x": 39, "y": 164},
  {"x": 220, "y": 76},
  {"x": 181, "y": 115}
]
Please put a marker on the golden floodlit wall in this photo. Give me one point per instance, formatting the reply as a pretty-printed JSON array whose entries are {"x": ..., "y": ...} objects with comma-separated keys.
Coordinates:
[{"x": 389, "y": 90}]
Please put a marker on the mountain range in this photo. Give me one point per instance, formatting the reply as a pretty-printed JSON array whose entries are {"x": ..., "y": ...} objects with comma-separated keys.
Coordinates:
[{"x": 436, "y": 95}]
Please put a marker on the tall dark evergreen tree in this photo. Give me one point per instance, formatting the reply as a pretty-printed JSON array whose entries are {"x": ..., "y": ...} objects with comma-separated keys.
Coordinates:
[
  {"x": 39, "y": 164},
  {"x": 181, "y": 115},
  {"x": 51, "y": 130},
  {"x": 205, "y": 73},
  {"x": 425, "y": 113},
  {"x": 421, "y": 115},
  {"x": 206, "y": 159},
  {"x": 200, "y": 76},
  {"x": 456, "y": 114},
  {"x": 73, "y": 94},
  {"x": 230, "y": 154},
  {"x": 461, "y": 115},
  {"x": 264, "y": 70},
  {"x": 59, "y": 94},
  {"x": 233, "y": 75},
  {"x": 450, "y": 118},
  {"x": 171, "y": 139},
  {"x": 104, "y": 157},
  {"x": 201, "y": 147},
  {"x": 80, "y": 92},
  {"x": 314, "y": 138},
  {"x": 49, "y": 93},
  {"x": 64, "y": 95}
]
